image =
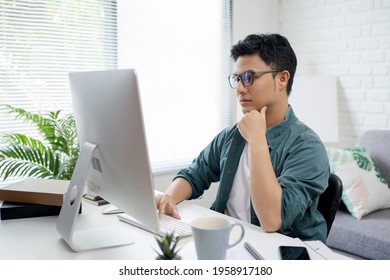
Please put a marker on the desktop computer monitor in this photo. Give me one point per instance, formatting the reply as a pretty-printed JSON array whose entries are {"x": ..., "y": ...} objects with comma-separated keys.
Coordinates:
[{"x": 113, "y": 158}]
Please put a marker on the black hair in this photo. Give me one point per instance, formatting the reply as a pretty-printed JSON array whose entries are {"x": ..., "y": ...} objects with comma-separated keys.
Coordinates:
[{"x": 273, "y": 49}]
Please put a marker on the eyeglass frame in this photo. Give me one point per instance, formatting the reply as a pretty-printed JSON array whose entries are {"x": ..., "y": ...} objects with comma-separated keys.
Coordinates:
[{"x": 253, "y": 76}]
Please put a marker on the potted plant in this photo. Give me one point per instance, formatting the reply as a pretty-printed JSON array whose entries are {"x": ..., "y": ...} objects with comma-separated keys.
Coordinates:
[
  {"x": 167, "y": 244},
  {"x": 52, "y": 157}
]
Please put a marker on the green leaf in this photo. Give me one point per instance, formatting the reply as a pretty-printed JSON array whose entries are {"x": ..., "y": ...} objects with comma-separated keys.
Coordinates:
[
  {"x": 167, "y": 244},
  {"x": 54, "y": 157}
]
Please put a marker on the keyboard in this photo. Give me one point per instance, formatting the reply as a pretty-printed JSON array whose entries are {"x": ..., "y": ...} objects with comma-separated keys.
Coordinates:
[{"x": 168, "y": 224}]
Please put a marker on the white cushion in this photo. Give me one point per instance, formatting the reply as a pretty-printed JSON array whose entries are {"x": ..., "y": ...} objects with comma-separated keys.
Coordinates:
[{"x": 364, "y": 188}]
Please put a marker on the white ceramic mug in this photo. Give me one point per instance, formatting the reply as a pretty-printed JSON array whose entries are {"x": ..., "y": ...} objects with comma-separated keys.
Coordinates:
[{"x": 211, "y": 236}]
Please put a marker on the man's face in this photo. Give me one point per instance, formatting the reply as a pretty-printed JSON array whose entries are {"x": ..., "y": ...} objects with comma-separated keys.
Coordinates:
[{"x": 263, "y": 90}]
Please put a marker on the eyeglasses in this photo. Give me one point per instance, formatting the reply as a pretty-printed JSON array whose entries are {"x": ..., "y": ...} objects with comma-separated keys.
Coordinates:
[{"x": 247, "y": 77}]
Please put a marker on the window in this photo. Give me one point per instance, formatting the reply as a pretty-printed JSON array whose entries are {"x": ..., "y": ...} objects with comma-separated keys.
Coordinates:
[
  {"x": 181, "y": 49},
  {"x": 41, "y": 41}
]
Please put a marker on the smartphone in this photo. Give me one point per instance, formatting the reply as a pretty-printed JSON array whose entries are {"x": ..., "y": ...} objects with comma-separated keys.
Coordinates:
[{"x": 294, "y": 253}]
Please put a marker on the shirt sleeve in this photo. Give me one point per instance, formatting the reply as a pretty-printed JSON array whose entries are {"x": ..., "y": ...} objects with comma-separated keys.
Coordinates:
[
  {"x": 206, "y": 168},
  {"x": 303, "y": 178}
]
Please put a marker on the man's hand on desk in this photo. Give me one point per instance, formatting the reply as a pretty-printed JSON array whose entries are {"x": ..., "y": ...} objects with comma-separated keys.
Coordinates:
[
  {"x": 166, "y": 205},
  {"x": 177, "y": 191}
]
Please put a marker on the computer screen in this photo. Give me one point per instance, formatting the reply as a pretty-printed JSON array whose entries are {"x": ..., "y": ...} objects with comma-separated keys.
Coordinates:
[{"x": 114, "y": 157}]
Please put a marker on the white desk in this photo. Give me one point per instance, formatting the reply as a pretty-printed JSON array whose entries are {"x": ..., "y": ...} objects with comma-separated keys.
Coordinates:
[{"x": 37, "y": 238}]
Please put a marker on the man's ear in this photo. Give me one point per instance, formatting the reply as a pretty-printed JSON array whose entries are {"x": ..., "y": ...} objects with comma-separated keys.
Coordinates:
[{"x": 284, "y": 76}]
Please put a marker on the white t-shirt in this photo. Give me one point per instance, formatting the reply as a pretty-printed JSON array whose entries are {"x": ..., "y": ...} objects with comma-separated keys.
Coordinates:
[{"x": 238, "y": 204}]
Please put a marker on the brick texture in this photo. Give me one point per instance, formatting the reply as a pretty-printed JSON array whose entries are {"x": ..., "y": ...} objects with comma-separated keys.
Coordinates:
[{"x": 350, "y": 39}]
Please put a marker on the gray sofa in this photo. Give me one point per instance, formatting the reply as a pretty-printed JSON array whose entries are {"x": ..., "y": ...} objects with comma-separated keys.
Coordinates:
[{"x": 368, "y": 238}]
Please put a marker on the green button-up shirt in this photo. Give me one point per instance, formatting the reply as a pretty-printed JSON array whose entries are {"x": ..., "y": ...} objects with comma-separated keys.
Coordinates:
[{"x": 299, "y": 160}]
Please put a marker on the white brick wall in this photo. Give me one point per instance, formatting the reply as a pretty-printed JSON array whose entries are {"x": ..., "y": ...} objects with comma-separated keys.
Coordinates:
[{"x": 350, "y": 39}]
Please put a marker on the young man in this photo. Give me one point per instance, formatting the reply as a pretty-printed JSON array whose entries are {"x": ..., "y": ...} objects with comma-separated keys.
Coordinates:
[{"x": 271, "y": 167}]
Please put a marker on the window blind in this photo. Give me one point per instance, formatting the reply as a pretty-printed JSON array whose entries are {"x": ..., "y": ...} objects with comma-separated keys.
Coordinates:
[
  {"x": 181, "y": 52},
  {"x": 181, "y": 49},
  {"x": 41, "y": 42}
]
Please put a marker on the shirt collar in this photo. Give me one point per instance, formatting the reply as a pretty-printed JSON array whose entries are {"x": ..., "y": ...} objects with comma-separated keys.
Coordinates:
[{"x": 275, "y": 131}]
